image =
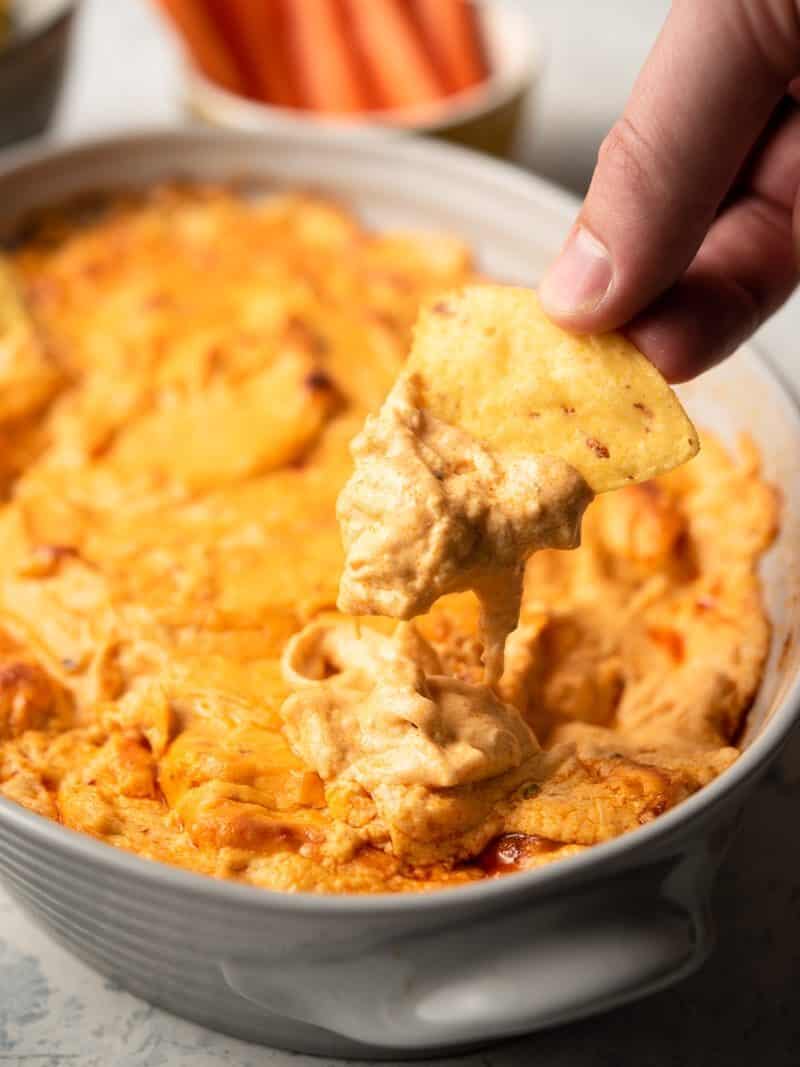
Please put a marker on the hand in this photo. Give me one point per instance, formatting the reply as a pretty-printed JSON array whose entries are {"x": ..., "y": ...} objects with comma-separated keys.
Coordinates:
[{"x": 686, "y": 238}]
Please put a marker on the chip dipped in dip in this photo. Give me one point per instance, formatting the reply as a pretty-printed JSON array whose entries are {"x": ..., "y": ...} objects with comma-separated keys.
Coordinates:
[
  {"x": 432, "y": 509},
  {"x": 459, "y": 479}
]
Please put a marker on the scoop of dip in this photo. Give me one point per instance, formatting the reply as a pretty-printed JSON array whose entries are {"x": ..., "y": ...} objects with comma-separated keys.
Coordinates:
[
  {"x": 429, "y": 511},
  {"x": 379, "y": 710},
  {"x": 425, "y": 760}
]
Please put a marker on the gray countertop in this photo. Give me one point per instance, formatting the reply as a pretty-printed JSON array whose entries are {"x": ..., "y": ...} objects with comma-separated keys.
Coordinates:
[{"x": 744, "y": 1004}]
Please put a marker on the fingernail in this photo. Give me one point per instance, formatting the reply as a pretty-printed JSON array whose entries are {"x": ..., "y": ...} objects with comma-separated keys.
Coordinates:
[{"x": 580, "y": 278}]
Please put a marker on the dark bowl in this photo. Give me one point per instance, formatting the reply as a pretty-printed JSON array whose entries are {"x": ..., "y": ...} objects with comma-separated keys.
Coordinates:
[{"x": 32, "y": 66}]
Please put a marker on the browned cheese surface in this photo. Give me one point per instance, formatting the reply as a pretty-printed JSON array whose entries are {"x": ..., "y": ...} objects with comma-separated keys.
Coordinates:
[{"x": 169, "y": 466}]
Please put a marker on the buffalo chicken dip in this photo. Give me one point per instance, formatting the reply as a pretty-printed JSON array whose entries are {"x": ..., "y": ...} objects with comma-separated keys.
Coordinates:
[{"x": 181, "y": 376}]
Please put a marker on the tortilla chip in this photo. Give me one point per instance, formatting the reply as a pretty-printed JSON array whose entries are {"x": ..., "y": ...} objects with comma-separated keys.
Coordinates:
[{"x": 488, "y": 360}]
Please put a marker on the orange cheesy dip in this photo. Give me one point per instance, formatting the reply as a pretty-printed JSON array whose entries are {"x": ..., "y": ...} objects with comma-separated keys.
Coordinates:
[{"x": 180, "y": 376}]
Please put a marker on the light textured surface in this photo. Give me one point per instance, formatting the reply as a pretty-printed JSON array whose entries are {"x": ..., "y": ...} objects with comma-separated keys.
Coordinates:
[{"x": 744, "y": 1006}]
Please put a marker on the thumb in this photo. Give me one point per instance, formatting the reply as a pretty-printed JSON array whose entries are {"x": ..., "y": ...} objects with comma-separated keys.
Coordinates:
[{"x": 706, "y": 92}]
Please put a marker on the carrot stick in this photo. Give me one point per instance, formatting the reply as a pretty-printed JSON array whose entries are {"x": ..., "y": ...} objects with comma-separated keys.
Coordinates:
[
  {"x": 326, "y": 64},
  {"x": 207, "y": 47},
  {"x": 256, "y": 31},
  {"x": 453, "y": 33},
  {"x": 398, "y": 64}
]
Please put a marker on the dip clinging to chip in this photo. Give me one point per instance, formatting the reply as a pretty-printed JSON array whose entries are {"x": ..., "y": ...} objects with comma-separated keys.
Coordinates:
[{"x": 490, "y": 446}]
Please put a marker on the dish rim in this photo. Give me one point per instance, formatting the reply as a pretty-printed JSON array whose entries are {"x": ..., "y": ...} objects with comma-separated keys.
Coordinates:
[{"x": 597, "y": 860}]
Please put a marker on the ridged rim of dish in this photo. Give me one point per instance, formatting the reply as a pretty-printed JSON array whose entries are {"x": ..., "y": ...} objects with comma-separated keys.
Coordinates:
[{"x": 463, "y": 164}]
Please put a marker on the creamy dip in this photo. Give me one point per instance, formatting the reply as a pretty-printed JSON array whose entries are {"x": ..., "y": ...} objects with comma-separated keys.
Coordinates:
[
  {"x": 430, "y": 511},
  {"x": 150, "y": 579},
  {"x": 433, "y": 758},
  {"x": 379, "y": 710}
]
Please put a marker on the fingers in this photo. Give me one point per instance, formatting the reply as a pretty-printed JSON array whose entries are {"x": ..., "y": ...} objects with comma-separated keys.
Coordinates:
[
  {"x": 774, "y": 172},
  {"x": 745, "y": 269},
  {"x": 716, "y": 73}
]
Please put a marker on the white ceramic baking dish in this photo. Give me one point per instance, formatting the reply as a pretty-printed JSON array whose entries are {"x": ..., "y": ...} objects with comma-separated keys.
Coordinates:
[{"x": 409, "y": 975}]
